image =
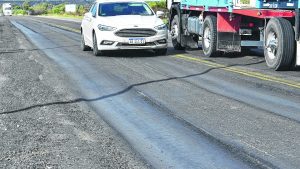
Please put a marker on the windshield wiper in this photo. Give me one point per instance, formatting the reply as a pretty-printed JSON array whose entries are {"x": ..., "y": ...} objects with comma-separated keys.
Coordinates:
[{"x": 146, "y": 14}]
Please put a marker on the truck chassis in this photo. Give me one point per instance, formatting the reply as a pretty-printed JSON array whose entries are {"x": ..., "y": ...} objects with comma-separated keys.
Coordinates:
[{"x": 224, "y": 29}]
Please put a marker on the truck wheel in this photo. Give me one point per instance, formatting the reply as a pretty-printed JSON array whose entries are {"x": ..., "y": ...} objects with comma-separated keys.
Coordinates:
[
  {"x": 209, "y": 36},
  {"x": 175, "y": 33},
  {"x": 279, "y": 47}
]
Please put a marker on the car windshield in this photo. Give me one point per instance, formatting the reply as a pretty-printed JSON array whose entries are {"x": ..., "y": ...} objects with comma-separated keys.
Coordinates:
[
  {"x": 124, "y": 8},
  {"x": 8, "y": 8}
]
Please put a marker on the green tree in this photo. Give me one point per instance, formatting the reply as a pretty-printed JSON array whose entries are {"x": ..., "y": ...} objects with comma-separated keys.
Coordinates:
[
  {"x": 16, "y": 7},
  {"x": 19, "y": 12},
  {"x": 81, "y": 10},
  {"x": 157, "y": 5},
  {"x": 26, "y": 5},
  {"x": 58, "y": 9},
  {"x": 40, "y": 8}
]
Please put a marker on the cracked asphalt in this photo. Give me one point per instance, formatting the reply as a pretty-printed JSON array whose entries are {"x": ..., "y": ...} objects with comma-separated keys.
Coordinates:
[
  {"x": 53, "y": 136},
  {"x": 61, "y": 107}
]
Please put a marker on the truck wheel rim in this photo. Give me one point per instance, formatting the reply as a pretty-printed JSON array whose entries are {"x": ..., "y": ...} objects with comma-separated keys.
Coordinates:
[
  {"x": 272, "y": 45},
  {"x": 207, "y": 37},
  {"x": 174, "y": 32}
]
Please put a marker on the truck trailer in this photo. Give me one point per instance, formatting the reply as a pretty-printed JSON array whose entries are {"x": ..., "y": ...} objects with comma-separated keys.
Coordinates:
[
  {"x": 231, "y": 26},
  {"x": 7, "y": 9}
]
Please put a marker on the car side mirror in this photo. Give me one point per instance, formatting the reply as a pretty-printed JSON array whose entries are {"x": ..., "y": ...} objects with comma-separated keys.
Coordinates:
[
  {"x": 160, "y": 14},
  {"x": 94, "y": 15}
]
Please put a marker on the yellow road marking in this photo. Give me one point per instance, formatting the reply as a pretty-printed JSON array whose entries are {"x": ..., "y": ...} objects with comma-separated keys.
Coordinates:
[{"x": 248, "y": 73}]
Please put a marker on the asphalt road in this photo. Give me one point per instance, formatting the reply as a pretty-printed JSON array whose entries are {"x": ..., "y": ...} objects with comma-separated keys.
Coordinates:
[
  {"x": 181, "y": 110},
  {"x": 38, "y": 128}
]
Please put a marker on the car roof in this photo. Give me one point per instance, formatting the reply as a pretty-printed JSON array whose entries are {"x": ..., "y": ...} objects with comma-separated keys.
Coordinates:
[{"x": 104, "y": 1}]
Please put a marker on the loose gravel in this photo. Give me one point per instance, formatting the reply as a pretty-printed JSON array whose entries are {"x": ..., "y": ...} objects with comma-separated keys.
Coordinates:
[{"x": 38, "y": 127}]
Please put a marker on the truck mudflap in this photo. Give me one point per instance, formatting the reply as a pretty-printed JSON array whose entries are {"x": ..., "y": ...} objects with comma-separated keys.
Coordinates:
[
  {"x": 298, "y": 54},
  {"x": 228, "y": 36},
  {"x": 229, "y": 42}
]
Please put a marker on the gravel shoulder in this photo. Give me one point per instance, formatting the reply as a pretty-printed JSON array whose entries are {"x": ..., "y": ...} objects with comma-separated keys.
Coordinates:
[{"x": 38, "y": 127}]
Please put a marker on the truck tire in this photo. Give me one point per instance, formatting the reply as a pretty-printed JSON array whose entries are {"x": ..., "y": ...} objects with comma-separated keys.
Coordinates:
[
  {"x": 209, "y": 38},
  {"x": 279, "y": 42},
  {"x": 175, "y": 33}
]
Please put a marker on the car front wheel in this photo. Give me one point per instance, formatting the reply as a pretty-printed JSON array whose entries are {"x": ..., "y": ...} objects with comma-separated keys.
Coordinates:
[
  {"x": 83, "y": 46},
  {"x": 96, "y": 51}
]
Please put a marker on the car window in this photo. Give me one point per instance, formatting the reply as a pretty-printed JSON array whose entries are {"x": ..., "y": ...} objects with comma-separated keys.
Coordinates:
[
  {"x": 92, "y": 7},
  {"x": 124, "y": 8},
  {"x": 94, "y": 10}
]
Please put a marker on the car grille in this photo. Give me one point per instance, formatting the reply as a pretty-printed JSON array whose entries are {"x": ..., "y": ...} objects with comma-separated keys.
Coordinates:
[
  {"x": 127, "y": 44},
  {"x": 135, "y": 33}
]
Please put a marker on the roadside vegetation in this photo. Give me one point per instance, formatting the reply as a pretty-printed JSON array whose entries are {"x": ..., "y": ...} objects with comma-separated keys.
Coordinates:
[
  {"x": 245, "y": 1},
  {"x": 45, "y": 8}
]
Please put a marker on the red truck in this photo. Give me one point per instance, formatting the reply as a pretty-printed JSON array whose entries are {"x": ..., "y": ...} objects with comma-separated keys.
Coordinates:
[{"x": 230, "y": 26}]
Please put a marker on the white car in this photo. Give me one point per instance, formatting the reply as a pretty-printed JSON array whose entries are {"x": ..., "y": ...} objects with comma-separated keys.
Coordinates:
[{"x": 123, "y": 24}]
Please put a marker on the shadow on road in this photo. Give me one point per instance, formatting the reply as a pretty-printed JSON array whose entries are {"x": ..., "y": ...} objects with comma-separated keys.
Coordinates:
[
  {"x": 139, "y": 53},
  {"x": 124, "y": 90}
]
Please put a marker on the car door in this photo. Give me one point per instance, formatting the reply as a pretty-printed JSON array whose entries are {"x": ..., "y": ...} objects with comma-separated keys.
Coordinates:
[
  {"x": 93, "y": 21},
  {"x": 88, "y": 25}
]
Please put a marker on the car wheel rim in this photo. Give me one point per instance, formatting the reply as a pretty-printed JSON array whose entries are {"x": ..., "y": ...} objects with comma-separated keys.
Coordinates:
[
  {"x": 272, "y": 45},
  {"x": 207, "y": 37}
]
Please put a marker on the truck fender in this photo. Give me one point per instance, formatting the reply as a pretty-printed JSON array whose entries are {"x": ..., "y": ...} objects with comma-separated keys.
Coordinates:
[{"x": 175, "y": 10}]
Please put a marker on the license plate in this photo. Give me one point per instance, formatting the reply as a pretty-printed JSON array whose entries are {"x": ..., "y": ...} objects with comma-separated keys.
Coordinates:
[{"x": 137, "y": 41}]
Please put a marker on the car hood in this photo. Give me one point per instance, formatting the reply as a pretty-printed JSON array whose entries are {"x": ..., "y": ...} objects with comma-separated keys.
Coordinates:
[{"x": 129, "y": 21}]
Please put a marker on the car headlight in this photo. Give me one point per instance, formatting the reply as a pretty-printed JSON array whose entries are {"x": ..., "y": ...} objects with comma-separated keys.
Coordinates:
[
  {"x": 106, "y": 28},
  {"x": 161, "y": 27}
]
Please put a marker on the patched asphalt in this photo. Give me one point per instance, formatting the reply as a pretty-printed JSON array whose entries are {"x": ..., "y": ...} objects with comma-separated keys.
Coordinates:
[
  {"x": 251, "y": 119},
  {"x": 39, "y": 126}
]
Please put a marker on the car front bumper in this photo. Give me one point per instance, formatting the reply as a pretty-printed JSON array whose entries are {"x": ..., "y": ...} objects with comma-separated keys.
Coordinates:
[{"x": 158, "y": 41}]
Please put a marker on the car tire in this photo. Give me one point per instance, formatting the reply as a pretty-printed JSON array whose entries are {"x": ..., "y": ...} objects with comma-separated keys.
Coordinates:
[
  {"x": 279, "y": 47},
  {"x": 175, "y": 33},
  {"x": 96, "y": 51},
  {"x": 161, "y": 52},
  {"x": 209, "y": 39},
  {"x": 83, "y": 46}
]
